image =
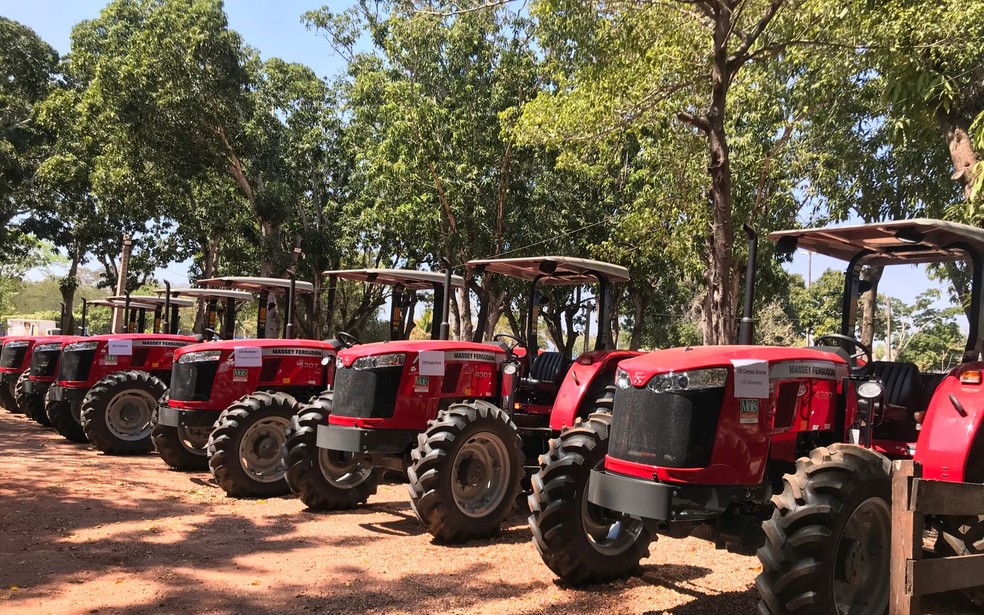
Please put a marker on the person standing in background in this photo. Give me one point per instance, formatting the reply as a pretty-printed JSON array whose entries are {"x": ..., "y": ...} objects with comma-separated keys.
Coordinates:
[{"x": 272, "y": 320}]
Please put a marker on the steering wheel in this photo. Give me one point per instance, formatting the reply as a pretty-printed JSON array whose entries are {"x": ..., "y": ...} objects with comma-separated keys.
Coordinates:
[
  {"x": 348, "y": 339},
  {"x": 210, "y": 334},
  {"x": 517, "y": 341},
  {"x": 860, "y": 350}
]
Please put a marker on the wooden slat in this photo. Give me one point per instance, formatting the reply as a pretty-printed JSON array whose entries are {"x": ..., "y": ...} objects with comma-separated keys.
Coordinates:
[
  {"x": 943, "y": 498},
  {"x": 930, "y": 576},
  {"x": 906, "y": 540}
]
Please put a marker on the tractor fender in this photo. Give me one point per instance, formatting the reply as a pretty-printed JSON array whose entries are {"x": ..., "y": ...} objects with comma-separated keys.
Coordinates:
[
  {"x": 946, "y": 445},
  {"x": 583, "y": 384}
]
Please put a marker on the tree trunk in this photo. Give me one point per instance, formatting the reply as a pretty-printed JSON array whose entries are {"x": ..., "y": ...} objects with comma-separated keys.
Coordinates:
[
  {"x": 67, "y": 286},
  {"x": 869, "y": 304},
  {"x": 463, "y": 297},
  {"x": 495, "y": 313},
  {"x": 961, "y": 151},
  {"x": 209, "y": 268},
  {"x": 639, "y": 304}
]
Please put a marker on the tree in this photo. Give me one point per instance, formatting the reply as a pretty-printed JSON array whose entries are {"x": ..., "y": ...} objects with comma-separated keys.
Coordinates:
[{"x": 27, "y": 73}]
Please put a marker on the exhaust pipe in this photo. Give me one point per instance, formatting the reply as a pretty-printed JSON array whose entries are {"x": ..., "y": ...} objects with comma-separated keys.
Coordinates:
[
  {"x": 446, "y": 307},
  {"x": 746, "y": 329},
  {"x": 85, "y": 309},
  {"x": 168, "y": 325},
  {"x": 289, "y": 328},
  {"x": 126, "y": 313}
]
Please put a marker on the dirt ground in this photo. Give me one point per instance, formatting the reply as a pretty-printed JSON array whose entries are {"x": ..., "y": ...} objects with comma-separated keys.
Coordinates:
[{"x": 82, "y": 532}]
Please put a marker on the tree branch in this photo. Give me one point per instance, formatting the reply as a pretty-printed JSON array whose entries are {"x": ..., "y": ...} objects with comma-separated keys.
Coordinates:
[
  {"x": 740, "y": 55},
  {"x": 699, "y": 122}
]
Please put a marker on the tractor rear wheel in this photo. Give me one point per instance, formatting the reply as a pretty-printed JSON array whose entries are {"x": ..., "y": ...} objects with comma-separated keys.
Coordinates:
[
  {"x": 30, "y": 404},
  {"x": 182, "y": 447},
  {"x": 117, "y": 411},
  {"x": 580, "y": 542},
  {"x": 7, "y": 397},
  {"x": 65, "y": 418},
  {"x": 246, "y": 447},
  {"x": 465, "y": 471},
  {"x": 324, "y": 479},
  {"x": 828, "y": 542}
]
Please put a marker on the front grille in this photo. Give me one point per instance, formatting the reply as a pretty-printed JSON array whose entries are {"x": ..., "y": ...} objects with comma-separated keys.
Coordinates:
[
  {"x": 193, "y": 381},
  {"x": 12, "y": 356},
  {"x": 366, "y": 393},
  {"x": 43, "y": 364},
  {"x": 670, "y": 429},
  {"x": 75, "y": 365}
]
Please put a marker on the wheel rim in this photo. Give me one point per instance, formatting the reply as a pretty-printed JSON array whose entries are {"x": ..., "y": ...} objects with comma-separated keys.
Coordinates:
[
  {"x": 261, "y": 450},
  {"x": 480, "y": 475},
  {"x": 128, "y": 414},
  {"x": 194, "y": 439},
  {"x": 608, "y": 532},
  {"x": 861, "y": 563},
  {"x": 343, "y": 469}
]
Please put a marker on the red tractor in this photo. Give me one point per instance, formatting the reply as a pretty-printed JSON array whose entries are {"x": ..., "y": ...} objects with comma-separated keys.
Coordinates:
[
  {"x": 462, "y": 419},
  {"x": 231, "y": 401},
  {"x": 786, "y": 451},
  {"x": 112, "y": 382},
  {"x": 322, "y": 477},
  {"x": 41, "y": 374},
  {"x": 15, "y": 363}
]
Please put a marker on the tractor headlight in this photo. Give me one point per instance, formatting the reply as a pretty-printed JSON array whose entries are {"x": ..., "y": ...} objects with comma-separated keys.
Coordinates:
[
  {"x": 339, "y": 363},
  {"x": 47, "y": 347},
  {"x": 870, "y": 390},
  {"x": 201, "y": 356},
  {"x": 687, "y": 381},
  {"x": 81, "y": 346},
  {"x": 383, "y": 360},
  {"x": 20, "y": 344},
  {"x": 622, "y": 380}
]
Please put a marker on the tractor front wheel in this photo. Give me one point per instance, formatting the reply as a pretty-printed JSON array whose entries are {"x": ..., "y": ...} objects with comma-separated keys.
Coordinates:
[
  {"x": 580, "y": 542},
  {"x": 117, "y": 411},
  {"x": 828, "y": 542},
  {"x": 182, "y": 447},
  {"x": 7, "y": 397},
  {"x": 65, "y": 418},
  {"x": 30, "y": 404},
  {"x": 324, "y": 479},
  {"x": 246, "y": 447},
  {"x": 465, "y": 472}
]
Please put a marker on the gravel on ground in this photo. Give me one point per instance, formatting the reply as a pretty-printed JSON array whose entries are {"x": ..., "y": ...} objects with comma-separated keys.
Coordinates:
[{"x": 84, "y": 532}]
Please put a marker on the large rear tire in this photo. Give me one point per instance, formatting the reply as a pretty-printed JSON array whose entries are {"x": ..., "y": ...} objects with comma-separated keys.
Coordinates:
[
  {"x": 466, "y": 472},
  {"x": 246, "y": 447},
  {"x": 580, "y": 542},
  {"x": 828, "y": 543},
  {"x": 182, "y": 448},
  {"x": 321, "y": 478},
  {"x": 30, "y": 404},
  {"x": 64, "y": 420},
  {"x": 117, "y": 411}
]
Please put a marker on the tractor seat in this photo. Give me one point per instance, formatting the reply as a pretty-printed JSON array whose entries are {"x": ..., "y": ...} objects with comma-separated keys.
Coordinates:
[
  {"x": 901, "y": 382},
  {"x": 546, "y": 372}
]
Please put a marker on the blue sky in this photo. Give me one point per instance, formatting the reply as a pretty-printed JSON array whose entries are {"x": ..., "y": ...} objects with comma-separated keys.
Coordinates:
[{"x": 274, "y": 27}]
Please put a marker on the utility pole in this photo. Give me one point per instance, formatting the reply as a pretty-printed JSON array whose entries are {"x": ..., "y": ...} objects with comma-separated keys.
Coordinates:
[{"x": 121, "y": 279}]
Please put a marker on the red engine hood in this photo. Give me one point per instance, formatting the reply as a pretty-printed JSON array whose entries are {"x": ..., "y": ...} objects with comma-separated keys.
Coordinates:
[
  {"x": 641, "y": 368},
  {"x": 266, "y": 343},
  {"x": 416, "y": 346},
  {"x": 143, "y": 336}
]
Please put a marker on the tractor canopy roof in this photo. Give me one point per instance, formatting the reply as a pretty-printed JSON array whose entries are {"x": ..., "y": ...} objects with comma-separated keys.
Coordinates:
[
  {"x": 920, "y": 240},
  {"x": 120, "y": 301},
  {"x": 251, "y": 284},
  {"x": 408, "y": 278},
  {"x": 207, "y": 293},
  {"x": 553, "y": 270}
]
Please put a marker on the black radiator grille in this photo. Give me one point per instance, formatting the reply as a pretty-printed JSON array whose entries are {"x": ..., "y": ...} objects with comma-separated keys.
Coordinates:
[
  {"x": 12, "y": 356},
  {"x": 75, "y": 365},
  {"x": 669, "y": 429},
  {"x": 366, "y": 393},
  {"x": 193, "y": 381},
  {"x": 43, "y": 363}
]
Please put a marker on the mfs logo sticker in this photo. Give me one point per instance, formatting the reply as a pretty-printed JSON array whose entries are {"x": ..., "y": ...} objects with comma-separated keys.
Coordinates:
[
  {"x": 240, "y": 374},
  {"x": 748, "y": 411}
]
